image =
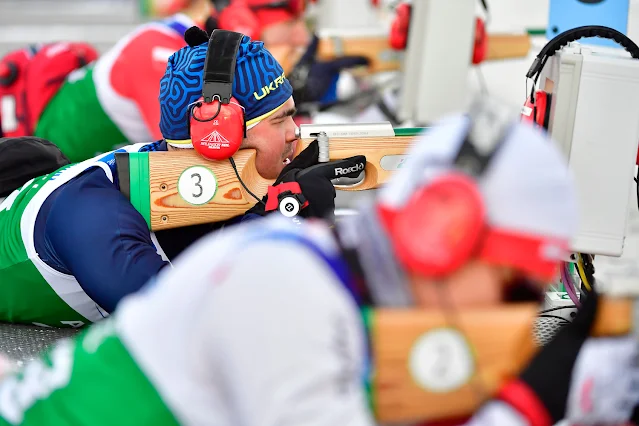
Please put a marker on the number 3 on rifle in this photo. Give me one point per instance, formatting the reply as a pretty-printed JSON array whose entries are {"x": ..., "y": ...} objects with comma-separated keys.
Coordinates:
[
  {"x": 197, "y": 185},
  {"x": 198, "y": 177}
]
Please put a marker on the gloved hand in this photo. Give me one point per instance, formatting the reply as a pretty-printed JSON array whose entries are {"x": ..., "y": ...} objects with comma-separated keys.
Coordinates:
[
  {"x": 308, "y": 182},
  {"x": 311, "y": 79},
  {"x": 581, "y": 379}
]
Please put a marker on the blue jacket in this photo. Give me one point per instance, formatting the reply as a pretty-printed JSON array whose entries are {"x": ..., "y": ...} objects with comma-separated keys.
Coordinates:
[{"x": 87, "y": 228}]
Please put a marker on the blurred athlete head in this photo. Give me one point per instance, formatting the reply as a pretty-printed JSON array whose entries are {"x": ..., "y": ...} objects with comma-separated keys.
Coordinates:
[
  {"x": 483, "y": 202},
  {"x": 163, "y": 8},
  {"x": 275, "y": 22}
]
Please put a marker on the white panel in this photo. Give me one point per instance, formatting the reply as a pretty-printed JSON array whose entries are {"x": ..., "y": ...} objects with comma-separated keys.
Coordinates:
[
  {"x": 438, "y": 59},
  {"x": 603, "y": 146},
  {"x": 346, "y": 14}
]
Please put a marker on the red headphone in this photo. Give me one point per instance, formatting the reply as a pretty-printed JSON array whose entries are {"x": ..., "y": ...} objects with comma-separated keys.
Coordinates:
[
  {"x": 239, "y": 15},
  {"x": 401, "y": 25},
  {"x": 443, "y": 223},
  {"x": 216, "y": 124},
  {"x": 536, "y": 109}
]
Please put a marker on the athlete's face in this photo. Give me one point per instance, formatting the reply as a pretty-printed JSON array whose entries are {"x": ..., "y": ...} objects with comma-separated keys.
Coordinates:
[
  {"x": 274, "y": 140},
  {"x": 476, "y": 285}
]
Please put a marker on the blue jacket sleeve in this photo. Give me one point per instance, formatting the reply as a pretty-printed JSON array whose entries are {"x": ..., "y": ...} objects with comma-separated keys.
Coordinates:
[
  {"x": 101, "y": 239},
  {"x": 248, "y": 217}
]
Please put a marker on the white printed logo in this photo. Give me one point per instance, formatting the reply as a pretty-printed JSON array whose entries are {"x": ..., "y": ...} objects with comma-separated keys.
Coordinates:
[
  {"x": 289, "y": 207},
  {"x": 340, "y": 171},
  {"x": 215, "y": 140},
  {"x": 8, "y": 113},
  {"x": 38, "y": 381}
]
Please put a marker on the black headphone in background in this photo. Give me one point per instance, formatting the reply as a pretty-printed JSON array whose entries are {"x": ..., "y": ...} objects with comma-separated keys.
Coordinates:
[{"x": 537, "y": 106}]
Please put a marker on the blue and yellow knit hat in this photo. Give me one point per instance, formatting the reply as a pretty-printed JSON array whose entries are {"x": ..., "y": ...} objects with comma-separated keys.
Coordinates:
[{"x": 259, "y": 85}]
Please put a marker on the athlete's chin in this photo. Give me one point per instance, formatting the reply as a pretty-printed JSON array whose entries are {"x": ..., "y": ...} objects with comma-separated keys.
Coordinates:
[{"x": 271, "y": 171}]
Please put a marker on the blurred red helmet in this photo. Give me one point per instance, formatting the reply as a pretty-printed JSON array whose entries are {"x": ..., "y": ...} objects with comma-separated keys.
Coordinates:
[{"x": 270, "y": 12}]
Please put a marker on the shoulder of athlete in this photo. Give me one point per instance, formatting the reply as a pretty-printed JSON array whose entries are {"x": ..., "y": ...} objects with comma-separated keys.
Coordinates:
[{"x": 85, "y": 198}]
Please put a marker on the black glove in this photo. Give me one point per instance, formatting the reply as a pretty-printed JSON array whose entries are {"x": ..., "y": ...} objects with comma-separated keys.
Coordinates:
[
  {"x": 316, "y": 194},
  {"x": 311, "y": 78},
  {"x": 549, "y": 374}
]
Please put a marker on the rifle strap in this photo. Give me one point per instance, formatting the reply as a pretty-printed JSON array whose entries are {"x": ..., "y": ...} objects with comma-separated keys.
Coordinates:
[
  {"x": 371, "y": 259},
  {"x": 349, "y": 254}
]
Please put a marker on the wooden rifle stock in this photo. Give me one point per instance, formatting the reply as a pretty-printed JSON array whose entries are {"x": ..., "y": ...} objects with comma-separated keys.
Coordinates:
[
  {"x": 383, "y": 58},
  {"x": 150, "y": 180},
  {"x": 499, "y": 341}
]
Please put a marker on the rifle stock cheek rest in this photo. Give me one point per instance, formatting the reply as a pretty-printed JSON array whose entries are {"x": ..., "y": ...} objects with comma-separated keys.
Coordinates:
[
  {"x": 500, "y": 343},
  {"x": 171, "y": 183},
  {"x": 152, "y": 180},
  {"x": 494, "y": 338}
]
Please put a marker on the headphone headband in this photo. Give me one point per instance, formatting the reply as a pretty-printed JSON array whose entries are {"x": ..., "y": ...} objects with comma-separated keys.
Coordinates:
[
  {"x": 490, "y": 122},
  {"x": 219, "y": 65},
  {"x": 575, "y": 34}
]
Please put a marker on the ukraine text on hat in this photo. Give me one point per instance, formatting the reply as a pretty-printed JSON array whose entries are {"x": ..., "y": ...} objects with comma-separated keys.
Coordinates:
[{"x": 269, "y": 88}]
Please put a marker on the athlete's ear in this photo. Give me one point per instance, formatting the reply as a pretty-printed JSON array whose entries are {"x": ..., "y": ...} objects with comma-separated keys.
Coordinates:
[{"x": 195, "y": 36}]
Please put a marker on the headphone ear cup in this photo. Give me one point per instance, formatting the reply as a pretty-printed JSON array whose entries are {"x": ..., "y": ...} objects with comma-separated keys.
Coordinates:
[
  {"x": 217, "y": 130},
  {"x": 542, "y": 105},
  {"x": 400, "y": 26},
  {"x": 481, "y": 42},
  {"x": 440, "y": 227},
  {"x": 239, "y": 18}
]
